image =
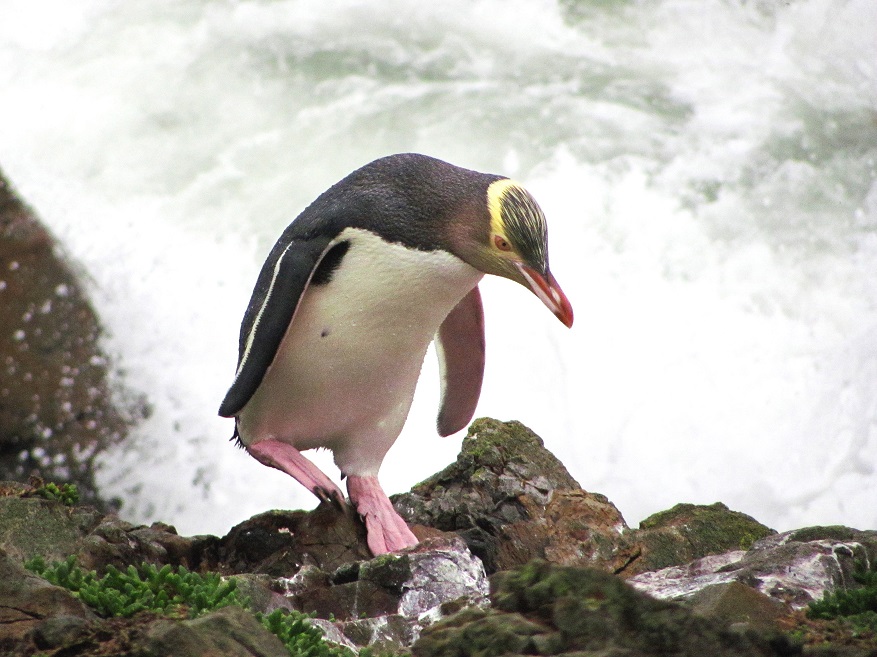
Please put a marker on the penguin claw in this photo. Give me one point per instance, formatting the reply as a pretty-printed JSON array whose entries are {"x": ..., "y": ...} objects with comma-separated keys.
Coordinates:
[{"x": 334, "y": 496}]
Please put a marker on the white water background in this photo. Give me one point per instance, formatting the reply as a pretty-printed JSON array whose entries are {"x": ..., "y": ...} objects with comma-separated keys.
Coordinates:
[{"x": 707, "y": 168}]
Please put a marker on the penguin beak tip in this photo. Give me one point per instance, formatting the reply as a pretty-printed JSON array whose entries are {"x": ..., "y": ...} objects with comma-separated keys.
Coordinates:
[{"x": 549, "y": 292}]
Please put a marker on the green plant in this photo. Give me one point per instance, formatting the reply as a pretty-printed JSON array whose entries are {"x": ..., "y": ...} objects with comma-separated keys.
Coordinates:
[
  {"x": 123, "y": 593},
  {"x": 67, "y": 494},
  {"x": 858, "y": 606},
  {"x": 175, "y": 592},
  {"x": 300, "y": 638}
]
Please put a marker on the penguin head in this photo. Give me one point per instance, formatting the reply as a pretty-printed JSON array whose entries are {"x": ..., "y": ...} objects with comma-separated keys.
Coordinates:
[{"x": 516, "y": 245}]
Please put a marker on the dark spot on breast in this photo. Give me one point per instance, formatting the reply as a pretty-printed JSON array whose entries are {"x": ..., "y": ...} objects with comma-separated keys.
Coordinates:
[
  {"x": 324, "y": 333},
  {"x": 330, "y": 262}
]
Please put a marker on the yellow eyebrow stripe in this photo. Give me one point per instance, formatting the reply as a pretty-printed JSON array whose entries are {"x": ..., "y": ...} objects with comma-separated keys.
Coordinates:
[{"x": 495, "y": 193}]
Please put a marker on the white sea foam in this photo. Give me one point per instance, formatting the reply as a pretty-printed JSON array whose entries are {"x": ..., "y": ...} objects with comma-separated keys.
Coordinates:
[{"x": 708, "y": 173}]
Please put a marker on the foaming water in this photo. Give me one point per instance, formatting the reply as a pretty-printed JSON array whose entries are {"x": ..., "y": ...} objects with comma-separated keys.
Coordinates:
[{"x": 708, "y": 173}]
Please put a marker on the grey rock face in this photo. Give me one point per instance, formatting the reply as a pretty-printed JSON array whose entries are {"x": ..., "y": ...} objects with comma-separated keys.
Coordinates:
[{"x": 794, "y": 567}]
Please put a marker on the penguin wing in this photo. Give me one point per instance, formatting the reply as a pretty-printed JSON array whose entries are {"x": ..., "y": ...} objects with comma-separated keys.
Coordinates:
[
  {"x": 281, "y": 284},
  {"x": 460, "y": 347}
]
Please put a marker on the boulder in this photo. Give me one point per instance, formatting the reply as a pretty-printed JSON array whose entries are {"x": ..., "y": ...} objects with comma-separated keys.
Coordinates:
[
  {"x": 56, "y": 408},
  {"x": 794, "y": 567},
  {"x": 688, "y": 532},
  {"x": 279, "y": 543},
  {"x": 512, "y": 500}
]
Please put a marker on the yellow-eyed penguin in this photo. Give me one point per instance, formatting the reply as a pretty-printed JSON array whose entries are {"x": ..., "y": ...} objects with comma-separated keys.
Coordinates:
[{"x": 345, "y": 306}]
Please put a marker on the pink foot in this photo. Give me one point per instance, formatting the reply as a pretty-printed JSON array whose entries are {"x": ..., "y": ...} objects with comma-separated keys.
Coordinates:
[
  {"x": 387, "y": 532},
  {"x": 287, "y": 458}
]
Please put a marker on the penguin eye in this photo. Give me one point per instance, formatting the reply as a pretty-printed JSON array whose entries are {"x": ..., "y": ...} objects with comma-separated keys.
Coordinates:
[{"x": 501, "y": 243}]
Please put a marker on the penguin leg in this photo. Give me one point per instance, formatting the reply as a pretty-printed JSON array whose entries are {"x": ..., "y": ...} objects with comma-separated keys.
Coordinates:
[
  {"x": 387, "y": 532},
  {"x": 285, "y": 457}
]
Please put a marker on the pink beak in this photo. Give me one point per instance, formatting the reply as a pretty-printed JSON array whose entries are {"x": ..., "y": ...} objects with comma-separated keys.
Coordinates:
[{"x": 549, "y": 292}]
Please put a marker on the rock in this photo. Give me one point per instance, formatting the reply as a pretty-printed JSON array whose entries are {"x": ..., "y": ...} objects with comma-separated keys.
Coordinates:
[
  {"x": 739, "y": 605},
  {"x": 28, "y": 603},
  {"x": 688, "y": 532},
  {"x": 506, "y": 495},
  {"x": 386, "y": 601},
  {"x": 258, "y": 590},
  {"x": 60, "y": 631},
  {"x": 794, "y": 567},
  {"x": 56, "y": 410},
  {"x": 511, "y": 500},
  {"x": 545, "y": 609},
  {"x": 278, "y": 543},
  {"x": 230, "y": 632},
  {"x": 34, "y": 527}
]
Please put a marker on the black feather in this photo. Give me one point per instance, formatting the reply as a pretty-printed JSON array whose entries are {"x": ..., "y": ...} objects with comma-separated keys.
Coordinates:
[{"x": 330, "y": 262}]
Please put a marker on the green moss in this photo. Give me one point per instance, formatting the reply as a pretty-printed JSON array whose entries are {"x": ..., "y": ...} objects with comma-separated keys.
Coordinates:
[
  {"x": 830, "y": 532},
  {"x": 689, "y": 531}
]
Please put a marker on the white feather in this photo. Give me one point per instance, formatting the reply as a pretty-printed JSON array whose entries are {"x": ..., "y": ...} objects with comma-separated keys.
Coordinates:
[{"x": 345, "y": 373}]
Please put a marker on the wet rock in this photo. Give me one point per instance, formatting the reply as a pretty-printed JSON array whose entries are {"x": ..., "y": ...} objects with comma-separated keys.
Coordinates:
[
  {"x": 545, "y": 609},
  {"x": 258, "y": 589},
  {"x": 511, "y": 500},
  {"x": 56, "y": 410},
  {"x": 688, "y": 532},
  {"x": 794, "y": 567}
]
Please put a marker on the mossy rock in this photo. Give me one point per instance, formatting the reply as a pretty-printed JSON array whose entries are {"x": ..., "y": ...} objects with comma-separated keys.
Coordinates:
[
  {"x": 491, "y": 447},
  {"x": 543, "y": 609},
  {"x": 35, "y": 527},
  {"x": 688, "y": 531},
  {"x": 823, "y": 533}
]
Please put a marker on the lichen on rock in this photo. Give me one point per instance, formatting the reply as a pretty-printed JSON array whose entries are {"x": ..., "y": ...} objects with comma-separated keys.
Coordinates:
[
  {"x": 689, "y": 531},
  {"x": 512, "y": 500},
  {"x": 545, "y": 609}
]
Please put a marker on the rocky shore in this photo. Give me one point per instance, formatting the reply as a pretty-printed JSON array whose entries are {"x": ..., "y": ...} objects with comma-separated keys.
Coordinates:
[{"x": 515, "y": 557}]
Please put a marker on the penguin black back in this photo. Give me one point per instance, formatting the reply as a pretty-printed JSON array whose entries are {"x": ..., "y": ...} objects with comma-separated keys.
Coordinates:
[{"x": 414, "y": 200}]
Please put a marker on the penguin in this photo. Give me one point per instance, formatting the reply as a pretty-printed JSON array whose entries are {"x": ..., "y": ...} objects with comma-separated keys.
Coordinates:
[{"x": 351, "y": 295}]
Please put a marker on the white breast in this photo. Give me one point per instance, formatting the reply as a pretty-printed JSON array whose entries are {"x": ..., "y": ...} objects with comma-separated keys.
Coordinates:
[{"x": 345, "y": 372}]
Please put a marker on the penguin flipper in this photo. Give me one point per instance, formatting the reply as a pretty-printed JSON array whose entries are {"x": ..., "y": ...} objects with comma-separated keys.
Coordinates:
[
  {"x": 460, "y": 347},
  {"x": 281, "y": 284}
]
